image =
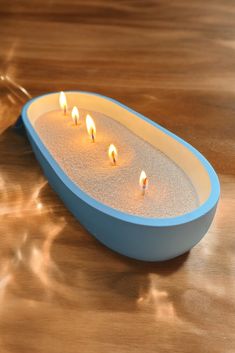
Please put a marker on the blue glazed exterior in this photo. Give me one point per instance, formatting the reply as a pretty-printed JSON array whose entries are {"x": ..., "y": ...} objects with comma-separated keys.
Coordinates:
[{"x": 149, "y": 239}]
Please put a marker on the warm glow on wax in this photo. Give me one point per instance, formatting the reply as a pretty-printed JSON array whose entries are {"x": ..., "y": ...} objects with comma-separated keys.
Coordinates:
[
  {"x": 63, "y": 102},
  {"x": 113, "y": 155},
  {"x": 91, "y": 129}
]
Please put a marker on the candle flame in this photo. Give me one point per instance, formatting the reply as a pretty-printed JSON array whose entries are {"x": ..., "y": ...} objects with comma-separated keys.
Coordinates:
[
  {"x": 113, "y": 155},
  {"x": 90, "y": 125},
  {"x": 63, "y": 102},
  {"x": 143, "y": 181},
  {"x": 75, "y": 115}
]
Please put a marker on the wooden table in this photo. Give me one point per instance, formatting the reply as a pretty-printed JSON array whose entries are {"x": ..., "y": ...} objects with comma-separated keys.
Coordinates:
[{"x": 60, "y": 290}]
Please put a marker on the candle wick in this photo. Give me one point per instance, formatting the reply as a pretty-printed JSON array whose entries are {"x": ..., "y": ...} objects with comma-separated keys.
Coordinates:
[
  {"x": 64, "y": 110},
  {"x": 114, "y": 159},
  {"x": 92, "y": 135},
  {"x": 144, "y": 186}
]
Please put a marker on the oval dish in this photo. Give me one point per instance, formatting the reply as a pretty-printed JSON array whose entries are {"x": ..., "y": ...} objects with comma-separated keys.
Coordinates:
[{"x": 150, "y": 239}]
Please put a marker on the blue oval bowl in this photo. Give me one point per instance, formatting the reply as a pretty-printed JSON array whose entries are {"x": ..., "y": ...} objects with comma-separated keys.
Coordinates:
[{"x": 150, "y": 239}]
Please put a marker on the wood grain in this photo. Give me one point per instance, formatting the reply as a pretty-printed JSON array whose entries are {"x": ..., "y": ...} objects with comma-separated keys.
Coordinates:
[{"x": 60, "y": 290}]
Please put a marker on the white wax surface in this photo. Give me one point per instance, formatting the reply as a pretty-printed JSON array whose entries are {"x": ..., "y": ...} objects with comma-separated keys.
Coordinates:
[{"x": 170, "y": 192}]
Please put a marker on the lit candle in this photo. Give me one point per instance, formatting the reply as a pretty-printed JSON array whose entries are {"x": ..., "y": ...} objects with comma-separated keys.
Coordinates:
[
  {"x": 143, "y": 181},
  {"x": 113, "y": 155},
  {"x": 75, "y": 115},
  {"x": 63, "y": 102},
  {"x": 91, "y": 129}
]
